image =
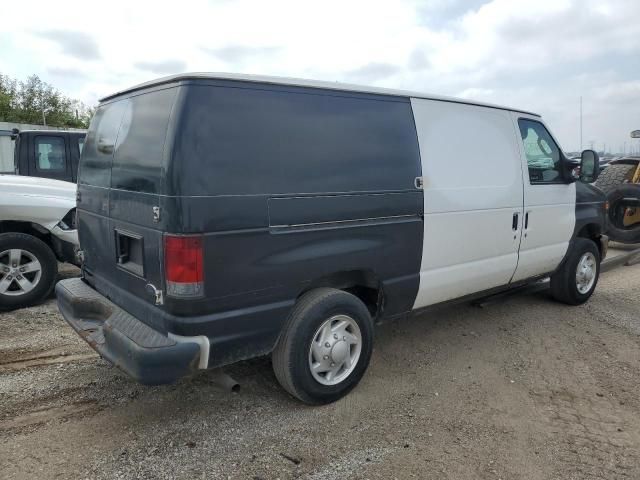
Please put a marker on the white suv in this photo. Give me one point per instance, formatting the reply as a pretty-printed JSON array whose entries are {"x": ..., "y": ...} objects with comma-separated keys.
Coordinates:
[{"x": 37, "y": 228}]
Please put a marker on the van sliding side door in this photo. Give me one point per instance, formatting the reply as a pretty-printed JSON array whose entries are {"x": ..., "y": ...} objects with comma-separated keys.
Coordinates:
[{"x": 473, "y": 199}]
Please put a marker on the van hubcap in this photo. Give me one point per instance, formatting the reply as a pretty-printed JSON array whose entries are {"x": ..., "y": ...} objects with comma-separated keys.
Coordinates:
[
  {"x": 335, "y": 350},
  {"x": 20, "y": 272},
  {"x": 586, "y": 272}
]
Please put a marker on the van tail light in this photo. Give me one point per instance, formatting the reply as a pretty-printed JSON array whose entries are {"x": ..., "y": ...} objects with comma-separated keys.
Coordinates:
[{"x": 183, "y": 265}]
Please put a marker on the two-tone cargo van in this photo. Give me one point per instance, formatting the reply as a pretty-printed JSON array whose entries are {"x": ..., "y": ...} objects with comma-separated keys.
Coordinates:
[{"x": 222, "y": 217}]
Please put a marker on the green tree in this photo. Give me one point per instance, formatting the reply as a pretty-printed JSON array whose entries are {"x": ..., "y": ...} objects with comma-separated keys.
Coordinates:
[
  {"x": 8, "y": 98},
  {"x": 38, "y": 102}
]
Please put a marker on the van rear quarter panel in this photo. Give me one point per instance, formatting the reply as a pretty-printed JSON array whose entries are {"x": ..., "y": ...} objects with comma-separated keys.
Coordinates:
[{"x": 290, "y": 185}]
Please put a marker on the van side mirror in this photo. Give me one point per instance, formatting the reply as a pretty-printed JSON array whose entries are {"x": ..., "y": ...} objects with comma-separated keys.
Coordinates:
[{"x": 589, "y": 166}]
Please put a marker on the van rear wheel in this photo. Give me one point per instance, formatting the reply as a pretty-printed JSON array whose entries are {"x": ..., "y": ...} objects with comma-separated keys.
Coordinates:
[
  {"x": 577, "y": 278},
  {"x": 325, "y": 346}
]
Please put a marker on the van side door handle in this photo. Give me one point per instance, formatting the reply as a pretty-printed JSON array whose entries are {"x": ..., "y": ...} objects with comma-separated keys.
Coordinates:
[
  {"x": 514, "y": 222},
  {"x": 526, "y": 220}
]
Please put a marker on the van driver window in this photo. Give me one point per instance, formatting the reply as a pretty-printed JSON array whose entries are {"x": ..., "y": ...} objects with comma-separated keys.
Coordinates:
[
  {"x": 50, "y": 154},
  {"x": 543, "y": 155}
]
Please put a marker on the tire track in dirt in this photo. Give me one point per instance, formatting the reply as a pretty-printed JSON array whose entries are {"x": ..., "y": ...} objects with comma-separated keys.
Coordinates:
[
  {"x": 44, "y": 414},
  {"x": 13, "y": 361},
  {"x": 43, "y": 360}
]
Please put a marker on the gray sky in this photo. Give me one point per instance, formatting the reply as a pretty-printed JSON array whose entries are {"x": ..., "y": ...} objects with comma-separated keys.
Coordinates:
[{"x": 539, "y": 55}]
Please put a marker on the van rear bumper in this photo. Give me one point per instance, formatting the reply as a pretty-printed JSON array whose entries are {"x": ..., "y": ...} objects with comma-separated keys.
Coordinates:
[{"x": 145, "y": 354}]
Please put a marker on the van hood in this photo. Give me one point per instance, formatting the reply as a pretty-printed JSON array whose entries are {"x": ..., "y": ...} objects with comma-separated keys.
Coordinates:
[{"x": 37, "y": 200}]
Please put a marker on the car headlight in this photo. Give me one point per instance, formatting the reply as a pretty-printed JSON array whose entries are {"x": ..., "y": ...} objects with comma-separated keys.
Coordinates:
[{"x": 69, "y": 222}]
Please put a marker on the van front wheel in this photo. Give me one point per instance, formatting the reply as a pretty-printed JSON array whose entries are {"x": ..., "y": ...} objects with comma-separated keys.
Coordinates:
[
  {"x": 577, "y": 278},
  {"x": 325, "y": 346}
]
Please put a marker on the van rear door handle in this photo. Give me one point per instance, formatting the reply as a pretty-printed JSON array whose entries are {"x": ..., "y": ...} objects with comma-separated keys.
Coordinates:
[{"x": 514, "y": 222}]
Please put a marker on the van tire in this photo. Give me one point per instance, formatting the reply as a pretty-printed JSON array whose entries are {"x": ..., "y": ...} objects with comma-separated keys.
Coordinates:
[
  {"x": 31, "y": 247},
  {"x": 564, "y": 283},
  {"x": 292, "y": 356}
]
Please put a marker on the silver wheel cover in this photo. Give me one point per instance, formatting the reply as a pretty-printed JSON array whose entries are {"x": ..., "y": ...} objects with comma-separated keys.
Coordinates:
[
  {"x": 586, "y": 272},
  {"x": 20, "y": 272},
  {"x": 335, "y": 350}
]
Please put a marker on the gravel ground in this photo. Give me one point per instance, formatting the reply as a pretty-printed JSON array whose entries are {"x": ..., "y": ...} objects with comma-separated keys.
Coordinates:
[{"x": 524, "y": 388}]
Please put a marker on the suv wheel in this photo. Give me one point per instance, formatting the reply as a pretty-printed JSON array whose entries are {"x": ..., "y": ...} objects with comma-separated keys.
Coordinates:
[
  {"x": 325, "y": 346},
  {"x": 28, "y": 270},
  {"x": 577, "y": 278}
]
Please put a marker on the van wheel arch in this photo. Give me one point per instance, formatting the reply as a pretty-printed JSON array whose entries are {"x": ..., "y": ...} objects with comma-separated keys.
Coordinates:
[
  {"x": 593, "y": 232},
  {"x": 363, "y": 284}
]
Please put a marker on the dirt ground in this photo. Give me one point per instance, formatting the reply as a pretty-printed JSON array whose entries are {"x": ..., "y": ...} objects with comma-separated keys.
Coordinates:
[{"x": 521, "y": 389}]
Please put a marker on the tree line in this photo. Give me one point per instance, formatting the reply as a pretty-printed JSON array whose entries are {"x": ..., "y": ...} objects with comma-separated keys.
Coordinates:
[{"x": 39, "y": 103}]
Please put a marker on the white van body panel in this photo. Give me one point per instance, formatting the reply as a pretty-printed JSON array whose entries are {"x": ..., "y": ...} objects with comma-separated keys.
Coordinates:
[
  {"x": 552, "y": 219},
  {"x": 472, "y": 181}
]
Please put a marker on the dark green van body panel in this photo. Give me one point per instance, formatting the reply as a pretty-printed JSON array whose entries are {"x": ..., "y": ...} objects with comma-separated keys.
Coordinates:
[{"x": 292, "y": 187}]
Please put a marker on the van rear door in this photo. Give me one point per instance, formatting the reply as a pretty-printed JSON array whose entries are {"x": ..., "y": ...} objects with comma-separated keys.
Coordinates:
[{"x": 120, "y": 188}]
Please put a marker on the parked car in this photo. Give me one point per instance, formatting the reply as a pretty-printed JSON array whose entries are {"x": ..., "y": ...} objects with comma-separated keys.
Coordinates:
[
  {"x": 37, "y": 229},
  {"x": 222, "y": 217},
  {"x": 45, "y": 153}
]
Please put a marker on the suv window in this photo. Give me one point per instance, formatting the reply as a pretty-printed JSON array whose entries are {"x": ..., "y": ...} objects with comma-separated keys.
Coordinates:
[
  {"x": 543, "y": 155},
  {"x": 50, "y": 153}
]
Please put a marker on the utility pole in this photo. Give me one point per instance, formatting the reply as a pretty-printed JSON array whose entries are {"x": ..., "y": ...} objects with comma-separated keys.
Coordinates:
[{"x": 44, "y": 118}]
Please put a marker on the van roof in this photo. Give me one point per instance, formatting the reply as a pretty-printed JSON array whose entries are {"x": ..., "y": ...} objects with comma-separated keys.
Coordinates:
[{"x": 298, "y": 82}]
